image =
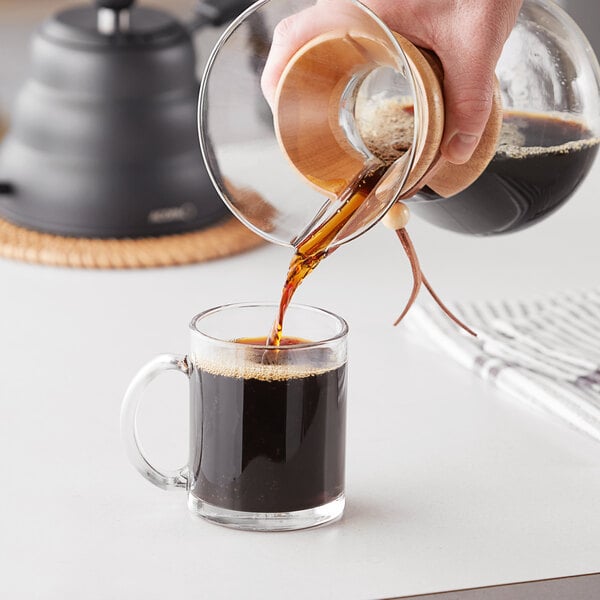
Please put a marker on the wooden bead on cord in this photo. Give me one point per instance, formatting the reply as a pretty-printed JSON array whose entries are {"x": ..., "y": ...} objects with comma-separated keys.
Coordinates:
[{"x": 397, "y": 217}]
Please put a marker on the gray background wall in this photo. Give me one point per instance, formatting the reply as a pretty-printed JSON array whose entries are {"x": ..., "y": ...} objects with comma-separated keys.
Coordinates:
[
  {"x": 18, "y": 19},
  {"x": 587, "y": 15}
]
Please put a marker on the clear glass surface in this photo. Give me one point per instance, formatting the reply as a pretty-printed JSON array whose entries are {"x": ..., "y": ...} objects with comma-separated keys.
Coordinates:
[
  {"x": 257, "y": 521},
  {"x": 548, "y": 66}
]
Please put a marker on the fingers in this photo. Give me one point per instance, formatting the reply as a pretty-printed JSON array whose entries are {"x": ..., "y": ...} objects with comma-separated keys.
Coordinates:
[
  {"x": 468, "y": 93},
  {"x": 290, "y": 35},
  {"x": 467, "y": 36},
  {"x": 469, "y": 52}
]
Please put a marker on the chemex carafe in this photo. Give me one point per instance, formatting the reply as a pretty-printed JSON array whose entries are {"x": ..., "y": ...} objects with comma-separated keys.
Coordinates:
[{"x": 359, "y": 99}]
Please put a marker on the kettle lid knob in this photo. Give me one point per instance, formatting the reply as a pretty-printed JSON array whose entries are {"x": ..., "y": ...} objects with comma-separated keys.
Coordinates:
[{"x": 113, "y": 16}]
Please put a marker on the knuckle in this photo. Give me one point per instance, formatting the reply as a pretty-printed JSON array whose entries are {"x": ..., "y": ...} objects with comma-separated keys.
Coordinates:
[
  {"x": 472, "y": 106},
  {"x": 471, "y": 110}
]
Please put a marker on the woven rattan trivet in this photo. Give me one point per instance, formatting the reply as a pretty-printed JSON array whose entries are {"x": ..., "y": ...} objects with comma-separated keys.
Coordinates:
[{"x": 224, "y": 239}]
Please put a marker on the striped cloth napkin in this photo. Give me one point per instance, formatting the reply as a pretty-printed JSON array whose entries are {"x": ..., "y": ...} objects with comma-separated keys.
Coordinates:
[{"x": 545, "y": 353}]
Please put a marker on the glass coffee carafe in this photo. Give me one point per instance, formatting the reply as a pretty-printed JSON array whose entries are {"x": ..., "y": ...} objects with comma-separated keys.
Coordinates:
[{"x": 360, "y": 103}]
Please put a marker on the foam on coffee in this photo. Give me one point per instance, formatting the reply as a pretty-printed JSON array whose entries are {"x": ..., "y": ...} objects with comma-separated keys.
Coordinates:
[
  {"x": 249, "y": 367},
  {"x": 540, "y": 161},
  {"x": 515, "y": 151},
  {"x": 388, "y": 128}
]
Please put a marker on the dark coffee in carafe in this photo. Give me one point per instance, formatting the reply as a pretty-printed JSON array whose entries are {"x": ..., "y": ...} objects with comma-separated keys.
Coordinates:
[
  {"x": 540, "y": 161},
  {"x": 528, "y": 179}
]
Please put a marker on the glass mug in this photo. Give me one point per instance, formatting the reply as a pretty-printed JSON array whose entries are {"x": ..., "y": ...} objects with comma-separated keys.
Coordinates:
[{"x": 267, "y": 424}]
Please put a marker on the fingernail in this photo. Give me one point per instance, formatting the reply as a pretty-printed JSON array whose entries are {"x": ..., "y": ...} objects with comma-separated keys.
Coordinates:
[{"x": 461, "y": 147}]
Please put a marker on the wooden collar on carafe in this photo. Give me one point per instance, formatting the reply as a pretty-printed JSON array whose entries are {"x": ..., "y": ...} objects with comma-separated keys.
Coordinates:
[{"x": 307, "y": 109}]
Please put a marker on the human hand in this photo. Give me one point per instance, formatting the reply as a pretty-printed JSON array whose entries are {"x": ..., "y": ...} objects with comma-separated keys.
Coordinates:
[{"x": 467, "y": 35}]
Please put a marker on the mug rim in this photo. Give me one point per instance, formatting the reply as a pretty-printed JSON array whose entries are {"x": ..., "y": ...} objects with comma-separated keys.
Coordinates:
[{"x": 344, "y": 328}]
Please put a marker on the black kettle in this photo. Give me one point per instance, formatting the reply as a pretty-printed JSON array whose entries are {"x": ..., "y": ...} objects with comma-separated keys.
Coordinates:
[{"x": 103, "y": 141}]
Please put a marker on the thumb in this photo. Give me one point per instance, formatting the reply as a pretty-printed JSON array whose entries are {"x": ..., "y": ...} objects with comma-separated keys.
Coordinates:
[{"x": 468, "y": 94}]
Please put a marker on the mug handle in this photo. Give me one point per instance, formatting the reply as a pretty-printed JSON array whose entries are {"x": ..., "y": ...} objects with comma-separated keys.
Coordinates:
[{"x": 135, "y": 392}]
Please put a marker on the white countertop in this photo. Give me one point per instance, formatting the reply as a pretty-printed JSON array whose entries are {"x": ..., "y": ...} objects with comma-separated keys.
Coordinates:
[{"x": 450, "y": 485}]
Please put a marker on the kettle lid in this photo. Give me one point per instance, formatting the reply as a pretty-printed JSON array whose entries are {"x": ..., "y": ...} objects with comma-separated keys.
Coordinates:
[{"x": 113, "y": 23}]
